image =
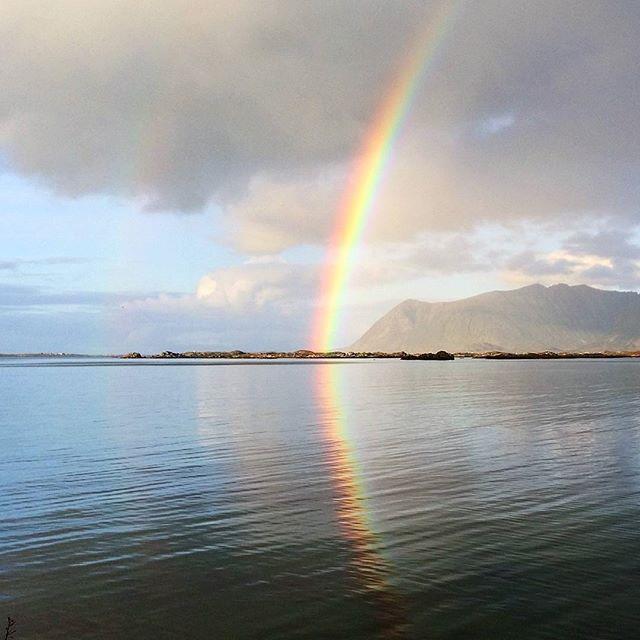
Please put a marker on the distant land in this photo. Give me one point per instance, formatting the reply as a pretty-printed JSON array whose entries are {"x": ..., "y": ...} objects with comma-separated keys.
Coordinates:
[
  {"x": 533, "y": 322},
  {"x": 304, "y": 354},
  {"x": 300, "y": 354},
  {"x": 558, "y": 318},
  {"x": 48, "y": 354}
]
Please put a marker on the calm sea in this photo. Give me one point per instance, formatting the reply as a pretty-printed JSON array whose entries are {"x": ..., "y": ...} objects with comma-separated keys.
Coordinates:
[{"x": 370, "y": 499}]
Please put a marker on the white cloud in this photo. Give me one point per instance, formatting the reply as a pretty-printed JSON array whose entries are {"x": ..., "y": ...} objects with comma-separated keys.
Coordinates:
[{"x": 255, "y": 286}]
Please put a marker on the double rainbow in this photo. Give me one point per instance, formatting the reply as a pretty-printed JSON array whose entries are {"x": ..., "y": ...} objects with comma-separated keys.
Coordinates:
[{"x": 368, "y": 172}]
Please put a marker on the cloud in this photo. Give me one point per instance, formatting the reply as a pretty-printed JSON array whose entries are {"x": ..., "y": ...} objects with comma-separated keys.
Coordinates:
[
  {"x": 177, "y": 104},
  {"x": 33, "y": 297},
  {"x": 258, "y": 285},
  {"x": 532, "y": 264},
  {"x": 528, "y": 112},
  {"x": 528, "y": 117},
  {"x": 14, "y": 265},
  {"x": 277, "y": 213},
  {"x": 436, "y": 254},
  {"x": 608, "y": 243},
  {"x": 253, "y": 306},
  {"x": 262, "y": 304},
  {"x": 438, "y": 181},
  {"x": 268, "y": 303},
  {"x": 244, "y": 289},
  {"x": 607, "y": 257}
]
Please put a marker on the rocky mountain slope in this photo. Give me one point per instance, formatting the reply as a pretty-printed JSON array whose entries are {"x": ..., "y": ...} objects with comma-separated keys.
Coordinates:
[{"x": 533, "y": 318}]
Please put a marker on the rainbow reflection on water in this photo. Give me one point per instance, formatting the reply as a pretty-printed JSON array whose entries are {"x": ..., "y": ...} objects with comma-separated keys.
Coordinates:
[{"x": 368, "y": 566}]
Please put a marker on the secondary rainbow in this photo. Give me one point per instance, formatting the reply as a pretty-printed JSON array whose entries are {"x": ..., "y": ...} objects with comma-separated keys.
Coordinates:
[{"x": 366, "y": 176}]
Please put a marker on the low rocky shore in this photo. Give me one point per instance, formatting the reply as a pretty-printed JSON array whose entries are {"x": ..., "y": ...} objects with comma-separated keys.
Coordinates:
[
  {"x": 305, "y": 354},
  {"x": 440, "y": 355},
  {"x": 301, "y": 354},
  {"x": 550, "y": 355}
]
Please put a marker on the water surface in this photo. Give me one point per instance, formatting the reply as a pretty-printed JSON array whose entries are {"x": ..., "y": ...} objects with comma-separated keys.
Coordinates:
[{"x": 366, "y": 499}]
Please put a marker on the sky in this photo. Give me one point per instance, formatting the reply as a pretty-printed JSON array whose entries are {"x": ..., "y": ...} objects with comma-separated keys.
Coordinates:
[{"x": 171, "y": 173}]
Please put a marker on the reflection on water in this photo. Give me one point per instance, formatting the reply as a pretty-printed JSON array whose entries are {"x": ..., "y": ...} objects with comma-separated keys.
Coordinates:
[
  {"x": 371, "y": 569},
  {"x": 465, "y": 499}
]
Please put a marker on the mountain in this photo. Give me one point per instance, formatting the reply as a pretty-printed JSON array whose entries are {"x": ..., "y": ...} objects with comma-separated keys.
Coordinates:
[{"x": 533, "y": 318}]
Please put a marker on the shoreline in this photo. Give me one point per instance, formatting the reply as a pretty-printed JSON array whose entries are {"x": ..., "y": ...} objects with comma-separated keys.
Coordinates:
[
  {"x": 304, "y": 354},
  {"x": 300, "y": 354}
]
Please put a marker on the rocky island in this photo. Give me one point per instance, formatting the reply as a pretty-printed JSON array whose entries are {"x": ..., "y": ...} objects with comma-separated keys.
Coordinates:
[
  {"x": 305, "y": 354},
  {"x": 300, "y": 354},
  {"x": 551, "y": 355}
]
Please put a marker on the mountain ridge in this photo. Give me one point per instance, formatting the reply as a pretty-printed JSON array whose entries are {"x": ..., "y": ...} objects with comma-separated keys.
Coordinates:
[{"x": 559, "y": 317}]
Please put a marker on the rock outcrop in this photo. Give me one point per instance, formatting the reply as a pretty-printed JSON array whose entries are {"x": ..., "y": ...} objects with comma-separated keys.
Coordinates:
[{"x": 440, "y": 355}]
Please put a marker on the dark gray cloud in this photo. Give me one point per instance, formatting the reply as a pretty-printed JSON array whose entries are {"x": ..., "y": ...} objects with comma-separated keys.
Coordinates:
[
  {"x": 177, "y": 104},
  {"x": 529, "y": 112},
  {"x": 532, "y": 264},
  {"x": 607, "y": 243},
  {"x": 621, "y": 250},
  {"x": 608, "y": 257}
]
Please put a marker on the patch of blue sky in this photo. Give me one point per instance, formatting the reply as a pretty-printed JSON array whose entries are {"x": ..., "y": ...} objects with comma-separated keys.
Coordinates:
[
  {"x": 495, "y": 124},
  {"x": 128, "y": 250}
]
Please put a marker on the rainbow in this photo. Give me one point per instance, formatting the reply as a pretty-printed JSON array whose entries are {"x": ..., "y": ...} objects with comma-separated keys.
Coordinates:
[
  {"x": 368, "y": 171},
  {"x": 367, "y": 564}
]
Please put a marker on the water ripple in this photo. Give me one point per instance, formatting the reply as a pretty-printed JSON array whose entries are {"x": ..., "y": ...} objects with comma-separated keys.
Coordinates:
[{"x": 378, "y": 500}]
